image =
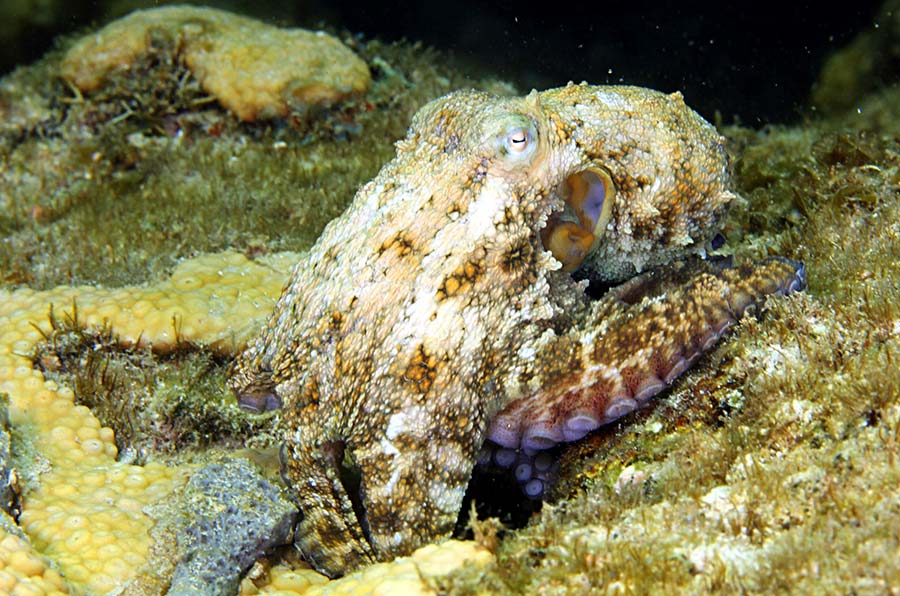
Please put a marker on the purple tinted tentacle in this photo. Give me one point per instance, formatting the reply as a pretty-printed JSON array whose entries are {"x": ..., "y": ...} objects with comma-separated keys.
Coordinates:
[{"x": 534, "y": 471}]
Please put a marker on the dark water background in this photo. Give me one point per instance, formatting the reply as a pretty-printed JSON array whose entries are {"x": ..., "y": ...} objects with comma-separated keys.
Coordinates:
[{"x": 752, "y": 61}]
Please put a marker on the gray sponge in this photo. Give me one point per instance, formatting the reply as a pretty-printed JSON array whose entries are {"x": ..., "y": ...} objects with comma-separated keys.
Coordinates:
[{"x": 231, "y": 516}]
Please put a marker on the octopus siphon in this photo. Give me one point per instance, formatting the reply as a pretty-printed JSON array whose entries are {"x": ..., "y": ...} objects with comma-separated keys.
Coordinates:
[{"x": 448, "y": 309}]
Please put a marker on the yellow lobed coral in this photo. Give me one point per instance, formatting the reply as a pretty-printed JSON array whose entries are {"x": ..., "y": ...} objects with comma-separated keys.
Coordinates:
[
  {"x": 87, "y": 513},
  {"x": 254, "y": 69},
  {"x": 23, "y": 571},
  {"x": 401, "y": 576}
]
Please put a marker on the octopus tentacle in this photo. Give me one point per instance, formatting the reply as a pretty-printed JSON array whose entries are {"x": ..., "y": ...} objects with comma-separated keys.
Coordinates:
[
  {"x": 410, "y": 485},
  {"x": 331, "y": 538},
  {"x": 645, "y": 346},
  {"x": 443, "y": 296},
  {"x": 428, "y": 485}
]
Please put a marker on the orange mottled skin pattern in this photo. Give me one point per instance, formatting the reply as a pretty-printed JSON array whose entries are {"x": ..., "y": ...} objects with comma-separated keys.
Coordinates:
[{"x": 429, "y": 314}]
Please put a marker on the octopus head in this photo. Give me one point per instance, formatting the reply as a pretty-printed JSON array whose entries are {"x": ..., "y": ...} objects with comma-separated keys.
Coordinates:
[{"x": 628, "y": 179}]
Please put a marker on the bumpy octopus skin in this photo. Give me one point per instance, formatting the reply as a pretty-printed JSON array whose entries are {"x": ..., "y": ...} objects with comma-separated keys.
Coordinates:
[{"x": 429, "y": 319}]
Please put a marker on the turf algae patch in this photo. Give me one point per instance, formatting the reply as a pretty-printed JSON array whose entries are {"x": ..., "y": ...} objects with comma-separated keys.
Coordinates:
[{"x": 170, "y": 405}]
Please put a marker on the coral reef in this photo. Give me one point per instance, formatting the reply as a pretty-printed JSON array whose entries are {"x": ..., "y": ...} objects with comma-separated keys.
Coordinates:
[
  {"x": 24, "y": 571},
  {"x": 769, "y": 468},
  {"x": 87, "y": 511},
  {"x": 428, "y": 317},
  {"x": 69, "y": 159},
  {"x": 141, "y": 153},
  {"x": 8, "y": 480}
]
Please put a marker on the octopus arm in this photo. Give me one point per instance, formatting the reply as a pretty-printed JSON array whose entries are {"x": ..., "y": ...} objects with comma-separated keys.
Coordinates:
[
  {"x": 413, "y": 464},
  {"x": 640, "y": 348},
  {"x": 329, "y": 534}
]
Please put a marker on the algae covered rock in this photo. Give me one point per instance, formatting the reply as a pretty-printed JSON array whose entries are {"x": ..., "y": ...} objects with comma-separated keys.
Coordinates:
[
  {"x": 869, "y": 62},
  {"x": 254, "y": 69}
]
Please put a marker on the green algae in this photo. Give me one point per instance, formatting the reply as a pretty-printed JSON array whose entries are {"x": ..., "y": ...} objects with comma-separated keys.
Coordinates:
[{"x": 171, "y": 407}]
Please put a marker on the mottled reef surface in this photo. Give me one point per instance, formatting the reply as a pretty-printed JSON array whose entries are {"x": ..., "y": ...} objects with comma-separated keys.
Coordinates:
[{"x": 772, "y": 466}]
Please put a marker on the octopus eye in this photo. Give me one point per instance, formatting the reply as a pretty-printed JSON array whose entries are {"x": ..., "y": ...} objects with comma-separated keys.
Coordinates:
[
  {"x": 571, "y": 234},
  {"x": 518, "y": 140},
  {"x": 513, "y": 138}
]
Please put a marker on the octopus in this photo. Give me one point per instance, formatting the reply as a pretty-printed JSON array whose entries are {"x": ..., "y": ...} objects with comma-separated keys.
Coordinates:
[{"x": 468, "y": 299}]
